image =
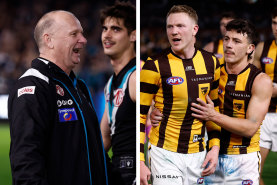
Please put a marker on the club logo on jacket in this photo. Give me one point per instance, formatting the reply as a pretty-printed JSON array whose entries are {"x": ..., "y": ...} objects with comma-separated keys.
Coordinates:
[
  {"x": 174, "y": 80},
  {"x": 59, "y": 90},
  {"x": 118, "y": 97},
  {"x": 67, "y": 115}
]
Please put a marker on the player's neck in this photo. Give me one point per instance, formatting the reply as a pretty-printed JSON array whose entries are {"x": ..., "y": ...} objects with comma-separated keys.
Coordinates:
[
  {"x": 120, "y": 61},
  {"x": 236, "y": 67}
]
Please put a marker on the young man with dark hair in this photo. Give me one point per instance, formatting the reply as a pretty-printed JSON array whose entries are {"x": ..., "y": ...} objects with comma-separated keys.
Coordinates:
[
  {"x": 118, "y": 123},
  {"x": 243, "y": 105}
]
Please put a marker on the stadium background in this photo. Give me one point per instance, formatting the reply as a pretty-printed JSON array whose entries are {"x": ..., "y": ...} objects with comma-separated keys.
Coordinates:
[{"x": 17, "y": 47}]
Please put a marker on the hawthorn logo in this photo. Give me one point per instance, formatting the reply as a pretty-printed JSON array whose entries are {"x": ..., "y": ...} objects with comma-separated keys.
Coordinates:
[
  {"x": 238, "y": 106},
  {"x": 204, "y": 90}
]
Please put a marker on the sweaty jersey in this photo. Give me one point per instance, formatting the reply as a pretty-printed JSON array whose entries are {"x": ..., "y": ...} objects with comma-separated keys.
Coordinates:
[
  {"x": 268, "y": 64},
  {"x": 121, "y": 111},
  {"x": 218, "y": 51},
  {"x": 174, "y": 83},
  {"x": 234, "y": 96}
]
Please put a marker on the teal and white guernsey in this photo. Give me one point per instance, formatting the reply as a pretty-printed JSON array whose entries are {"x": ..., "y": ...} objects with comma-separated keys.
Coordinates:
[{"x": 121, "y": 111}]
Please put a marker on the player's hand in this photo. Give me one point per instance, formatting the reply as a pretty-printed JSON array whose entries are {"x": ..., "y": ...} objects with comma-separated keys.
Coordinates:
[
  {"x": 210, "y": 161},
  {"x": 204, "y": 111},
  {"x": 144, "y": 174},
  {"x": 156, "y": 117}
]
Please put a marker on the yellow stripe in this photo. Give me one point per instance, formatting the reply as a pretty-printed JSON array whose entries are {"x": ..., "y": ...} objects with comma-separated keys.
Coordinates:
[
  {"x": 238, "y": 108},
  {"x": 199, "y": 64},
  {"x": 220, "y": 51},
  {"x": 195, "y": 130},
  {"x": 242, "y": 80},
  {"x": 222, "y": 83},
  {"x": 269, "y": 68}
]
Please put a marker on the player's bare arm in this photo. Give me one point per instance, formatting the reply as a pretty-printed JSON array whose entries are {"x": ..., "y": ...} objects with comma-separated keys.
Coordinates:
[
  {"x": 257, "y": 108},
  {"x": 106, "y": 131}
]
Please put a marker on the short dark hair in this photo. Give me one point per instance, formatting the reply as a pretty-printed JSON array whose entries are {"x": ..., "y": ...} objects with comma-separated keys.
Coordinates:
[
  {"x": 121, "y": 10},
  {"x": 274, "y": 13},
  {"x": 245, "y": 27},
  {"x": 228, "y": 15},
  {"x": 184, "y": 9}
]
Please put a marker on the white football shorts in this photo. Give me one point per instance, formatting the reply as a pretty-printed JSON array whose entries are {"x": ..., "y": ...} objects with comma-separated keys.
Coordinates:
[
  {"x": 172, "y": 168},
  {"x": 269, "y": 132},
  {"x": 241, "y": 169}
]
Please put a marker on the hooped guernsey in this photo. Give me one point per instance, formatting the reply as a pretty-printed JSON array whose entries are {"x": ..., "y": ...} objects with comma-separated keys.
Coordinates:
[
  {"x": 174, "y": 83},
  {"x": 268, "y": 64},
  {"x": 234, "y": 96},
  {"x": 55, "y": 133}
]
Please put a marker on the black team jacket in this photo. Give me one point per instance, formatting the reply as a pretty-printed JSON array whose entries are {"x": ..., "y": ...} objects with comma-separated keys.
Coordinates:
[{"x": 55, "y": 133}]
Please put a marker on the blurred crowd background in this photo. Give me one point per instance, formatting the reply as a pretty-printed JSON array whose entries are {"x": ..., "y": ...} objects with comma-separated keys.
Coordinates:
[{"x": 153, "y": 16}]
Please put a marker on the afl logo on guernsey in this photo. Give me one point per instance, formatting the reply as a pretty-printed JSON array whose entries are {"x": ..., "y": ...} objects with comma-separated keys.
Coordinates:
[
  {"x": 175, "y": 80},
  {"x": 247, "y": 182},
  {"x": 118, "y": 97},
  {"x": 220, "y": 91},
  {"x": 267, "y": 60}
]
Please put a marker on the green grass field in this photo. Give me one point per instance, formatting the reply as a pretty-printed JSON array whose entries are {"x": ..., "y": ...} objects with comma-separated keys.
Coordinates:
[{"x": 269, "y": 174}]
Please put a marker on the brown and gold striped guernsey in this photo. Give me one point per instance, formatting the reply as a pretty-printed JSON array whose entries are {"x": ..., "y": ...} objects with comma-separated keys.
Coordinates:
[
  {"x": 175, "y": 83},
  {"x": 268, "y": 64},
  {"x": 218, "y": 51},
  {"x": 234, "y": 97}
]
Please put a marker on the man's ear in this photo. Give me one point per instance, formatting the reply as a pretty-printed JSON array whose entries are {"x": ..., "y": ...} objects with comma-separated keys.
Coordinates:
[
  {"x": 133, "y": 36},
  {"x": 48, "y": 41},
  {"x": 250, "y": 48}
]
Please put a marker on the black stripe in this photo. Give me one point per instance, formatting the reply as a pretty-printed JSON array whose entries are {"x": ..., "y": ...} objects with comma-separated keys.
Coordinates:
[
  {"x": 215, "y": 84},
  {"x": 150, "y": 65},
  {"x": 214, "y": 134},
  {"x": 216, "y": 43},
  {"x": 216, "y": 102},
  {"x": 246, "y": 143},
  {"x": 142, "y": 127},
  {"x": 185, "y": 131},
  {"x": 165, "y": 71},
  {"x": 225, "y": 136},
  {"x": 148, "y": 88},
  {"x": 144, "y": 109},
  {"x": 141, "y": 148}
]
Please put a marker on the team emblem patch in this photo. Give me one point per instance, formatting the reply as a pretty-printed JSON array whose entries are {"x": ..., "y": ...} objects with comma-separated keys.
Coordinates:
[
  {"x": 204, "y": 90},
  {"x": 26, "y": 90},
  {"x": 200, "y": 180},
  {"x": 118, "y": 97},
  {"x": 218, "y": 55},
  {"x": 174, "y": 80},
  {"x": 238, "y": 106},
  {"x": 67, "y": 115},
  {"x": 59, "y": 90},
  {"x": 267, "y": 60},
  {"x": 247, "y": 182}
]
